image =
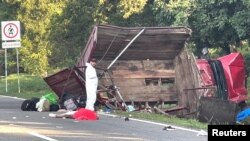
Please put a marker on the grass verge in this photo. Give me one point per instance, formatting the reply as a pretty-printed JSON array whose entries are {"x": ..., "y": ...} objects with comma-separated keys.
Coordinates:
[{"x": 30, "y": 86}]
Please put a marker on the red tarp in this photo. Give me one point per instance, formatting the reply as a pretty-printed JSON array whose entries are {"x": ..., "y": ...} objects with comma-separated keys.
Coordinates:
[
  {"x": 234, "y": 69},
  {"x": 85, "y": 114}
]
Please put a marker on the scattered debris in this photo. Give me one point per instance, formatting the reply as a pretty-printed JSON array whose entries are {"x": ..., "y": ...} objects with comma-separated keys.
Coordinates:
[
  {"x": 169, "y": 128},
  {"x": 126, "y": 119},
  {"x": 52, "y": 115},
  {"x": 160, "y": 111},
  {"x": 107, "y": 110},
  {"x": 202, "y": 133},
  {"x": 243, "y": 117},
  {"x": 130, "y": 108}
]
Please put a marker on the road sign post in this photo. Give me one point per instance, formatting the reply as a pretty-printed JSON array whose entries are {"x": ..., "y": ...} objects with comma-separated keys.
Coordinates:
[
  {"x": 17, "y": 68},
  {"x": 6, "y": 72},
  {"x": 11, "y": 37}
]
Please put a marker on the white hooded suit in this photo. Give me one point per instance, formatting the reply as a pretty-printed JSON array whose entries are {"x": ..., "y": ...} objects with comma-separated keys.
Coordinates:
[{"x": 91, "y": 86}]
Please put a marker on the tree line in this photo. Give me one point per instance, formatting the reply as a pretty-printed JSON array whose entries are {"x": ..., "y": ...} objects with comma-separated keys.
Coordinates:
[{"x": 54, "y": 32}]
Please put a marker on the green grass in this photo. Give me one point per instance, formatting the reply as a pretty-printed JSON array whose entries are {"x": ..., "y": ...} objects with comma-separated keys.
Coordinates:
[{"x": 30, "y": 86}]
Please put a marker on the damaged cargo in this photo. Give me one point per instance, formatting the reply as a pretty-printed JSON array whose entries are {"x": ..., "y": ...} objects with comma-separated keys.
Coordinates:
[
  {"x": 139, "y": 61},
  {"x": 148, "y": 65}
]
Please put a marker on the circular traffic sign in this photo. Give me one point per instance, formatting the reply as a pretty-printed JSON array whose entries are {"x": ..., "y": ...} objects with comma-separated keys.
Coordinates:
[{"x": 10, "y": 30}]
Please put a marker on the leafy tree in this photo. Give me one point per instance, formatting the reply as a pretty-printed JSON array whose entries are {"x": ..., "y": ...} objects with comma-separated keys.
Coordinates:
[
  {"x": 146, "y": 17},
  {"x": 241, "y": 21},
  {"x": 70, "y": 30},
  {"x": 125, "y": 13},
  {"x": 129, "y": 7},
  {"x": 8, "y": 10},
  {"x": 173, "y": 12},
  {"x": 35, "y": 16},
  {"x": 216, "y": 23}
]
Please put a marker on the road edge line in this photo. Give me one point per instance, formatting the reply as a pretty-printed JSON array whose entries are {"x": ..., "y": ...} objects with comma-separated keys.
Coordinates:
[
  {"x": 12, "y": 97},
  {"x": 42, "y": 136},
  {"x": 155, "y": 123}
]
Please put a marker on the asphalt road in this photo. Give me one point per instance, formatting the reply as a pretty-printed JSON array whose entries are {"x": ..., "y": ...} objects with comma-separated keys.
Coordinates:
[{"x": 17, "y": 125}]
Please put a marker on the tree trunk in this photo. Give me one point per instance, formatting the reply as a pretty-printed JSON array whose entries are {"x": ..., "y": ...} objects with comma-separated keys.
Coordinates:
[{"x": 226, "y": 48}]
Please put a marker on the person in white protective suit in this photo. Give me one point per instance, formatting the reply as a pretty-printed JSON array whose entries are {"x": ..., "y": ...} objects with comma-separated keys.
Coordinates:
[{"x": 91, "y": 84}]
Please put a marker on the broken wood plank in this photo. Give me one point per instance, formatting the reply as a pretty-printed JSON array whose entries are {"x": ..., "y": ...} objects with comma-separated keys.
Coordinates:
[
  {"x": 158, "y": 90},
  {"x": 177, "y": 108},
  {"x": 199, "y": 88},
  {"x": 140, "y": 65},
  {"x": 144, "y": 74},
  {"x": 160, "y": 111}
]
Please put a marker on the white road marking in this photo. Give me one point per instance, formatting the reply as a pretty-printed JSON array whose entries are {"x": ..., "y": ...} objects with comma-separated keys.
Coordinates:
[
  {"x": 155, "y": 123},
  {"x": 12, "y": 97},
  {"x": 42, "y": 136},
  {"x": 176, "y": 127}
]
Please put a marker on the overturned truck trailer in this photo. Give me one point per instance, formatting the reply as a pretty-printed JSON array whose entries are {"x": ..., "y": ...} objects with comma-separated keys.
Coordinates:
[{"x": 145, "y": 64}]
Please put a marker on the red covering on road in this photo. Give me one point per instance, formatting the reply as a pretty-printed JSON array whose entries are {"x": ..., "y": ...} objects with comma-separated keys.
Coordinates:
[
  {"x": 85, "y": 114},
  {"x": 234, "y": 69}
]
